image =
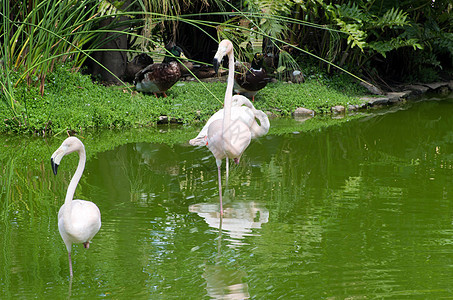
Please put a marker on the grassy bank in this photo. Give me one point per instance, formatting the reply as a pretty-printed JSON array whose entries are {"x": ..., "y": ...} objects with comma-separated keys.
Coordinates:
[{"x": 73, "y": 102}]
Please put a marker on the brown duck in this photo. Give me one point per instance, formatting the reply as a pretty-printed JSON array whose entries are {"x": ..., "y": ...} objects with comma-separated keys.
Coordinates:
[
  {"x": 139, "y": 62},
  {"x": 157, "y": 78},
  {"x": 249, "y": 81}
]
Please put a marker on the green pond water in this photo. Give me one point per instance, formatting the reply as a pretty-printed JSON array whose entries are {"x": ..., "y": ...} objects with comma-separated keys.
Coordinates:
[{"x": 323, "y": 209}]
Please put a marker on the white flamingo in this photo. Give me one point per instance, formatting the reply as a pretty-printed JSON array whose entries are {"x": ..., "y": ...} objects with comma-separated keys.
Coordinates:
[
  {"x": 228, "y": 132},
  {"x": 78, "y": 220},
  {"x": 241, "y": 109}
]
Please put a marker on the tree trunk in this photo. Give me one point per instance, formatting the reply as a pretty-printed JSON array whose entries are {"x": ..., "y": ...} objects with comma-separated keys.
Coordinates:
[
  {"x": 196, "y": 42},
  {"x": 110, "y": 66}
]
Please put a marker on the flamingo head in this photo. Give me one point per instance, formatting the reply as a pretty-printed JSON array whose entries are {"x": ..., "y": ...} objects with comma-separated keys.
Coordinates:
[
  {"x": 225, "y": 48},
  {"x": 68, "y": 146}
]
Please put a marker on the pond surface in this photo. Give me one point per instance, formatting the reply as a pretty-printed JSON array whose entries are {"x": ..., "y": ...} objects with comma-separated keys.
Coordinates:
[{"x": 356, "y": 209}]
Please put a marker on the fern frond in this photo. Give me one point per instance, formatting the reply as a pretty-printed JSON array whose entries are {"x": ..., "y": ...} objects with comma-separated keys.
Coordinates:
[
  {"x": 445, "y": 42},
  {"x": 351, "y": 11},
  {"x": 382, "y": 47},
  {"x": 393, "y": 17}
]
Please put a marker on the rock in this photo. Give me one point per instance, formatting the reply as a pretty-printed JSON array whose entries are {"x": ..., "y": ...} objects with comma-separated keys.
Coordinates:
[
  {"x": 176, "y": 121},
  {"x": 166, "y": 120},
  {"x": 363, "y": 105},
  {"x": 302, "y": 114},
  {"x": 367, "y": 99},
  {"x": 379, "y": 101},
  {"x": 271, "y": 114},
  {"x": 373, "y": 101},
  {"x": 417, "y": 89},
  {"x": 444, "y": 90},
  {"x": 338, "y": 109},
  {"x": 372, "y": 88},
  {"x": 397, "y": 96},
  {"x": 353, "y": 107},
  {"x": 436, "y": 85},
  {"x": 450, "y": 85},
  {"x": 163, "y": 120},
  {"x": 301, "y": 111}
]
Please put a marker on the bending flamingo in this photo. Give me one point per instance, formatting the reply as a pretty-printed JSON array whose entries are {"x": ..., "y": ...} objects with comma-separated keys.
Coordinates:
[
  {"x": 78, "y": 220},
  {"x": 242, "y": 109}
]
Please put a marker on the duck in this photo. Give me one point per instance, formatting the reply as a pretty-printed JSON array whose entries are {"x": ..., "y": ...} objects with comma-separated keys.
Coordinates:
[
  {"x": 135, "y": 65},
  {"x": 250, "y": 80},
  {"x": 157, "y": 78}
]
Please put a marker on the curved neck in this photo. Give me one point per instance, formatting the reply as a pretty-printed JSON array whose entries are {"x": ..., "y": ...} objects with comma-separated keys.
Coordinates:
[
  {"x": 77, "y": 175},
  {"x": 263, "y": 127},
  {"x": 228, "y": 95}
]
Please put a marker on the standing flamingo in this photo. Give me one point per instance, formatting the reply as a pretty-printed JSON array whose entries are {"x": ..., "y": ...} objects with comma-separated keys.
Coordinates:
[
  {"x": 226, "y": 136},
  {"x": 78, "y": 220}
]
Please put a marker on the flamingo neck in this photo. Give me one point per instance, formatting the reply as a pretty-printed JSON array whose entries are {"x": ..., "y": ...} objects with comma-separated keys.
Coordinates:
[
  {"x": 76, "y": 178},
  {"x": 228, "y": 97}
]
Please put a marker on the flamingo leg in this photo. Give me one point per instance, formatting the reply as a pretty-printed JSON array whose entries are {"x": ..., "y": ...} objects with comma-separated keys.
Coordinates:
[
  {"x": 220, "y": 190},
  {"x": 70, "y": 264},
  {"x": 227, "y": 170}
]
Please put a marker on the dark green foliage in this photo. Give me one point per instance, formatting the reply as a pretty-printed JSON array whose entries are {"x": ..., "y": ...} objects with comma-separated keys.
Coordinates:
[{"x": 395, "y": 41}]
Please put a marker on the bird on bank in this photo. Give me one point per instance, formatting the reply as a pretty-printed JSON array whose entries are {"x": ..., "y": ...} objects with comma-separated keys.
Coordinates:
[
  {"x": 157, "y": 78},
  {"x": 78, "y": 220},
  {"x": 249, "y": 80},
  {"x": 136, "y": 64}
]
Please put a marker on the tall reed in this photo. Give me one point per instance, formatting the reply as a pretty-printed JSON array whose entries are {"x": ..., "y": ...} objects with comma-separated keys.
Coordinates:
[{"x": 50, "y": 31}]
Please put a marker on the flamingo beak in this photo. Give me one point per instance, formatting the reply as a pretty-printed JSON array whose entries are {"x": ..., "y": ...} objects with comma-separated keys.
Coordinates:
[
  {"x": 216, "y": 65},
  {"x": 56, "y": 158},
  {"x": 54, "y": 166}
]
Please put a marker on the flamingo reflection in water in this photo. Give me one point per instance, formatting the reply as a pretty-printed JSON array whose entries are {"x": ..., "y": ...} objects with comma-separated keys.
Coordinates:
[{"x": 240, "y": 220}]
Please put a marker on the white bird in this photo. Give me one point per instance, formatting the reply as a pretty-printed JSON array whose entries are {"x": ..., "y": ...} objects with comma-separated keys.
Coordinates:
[
  {"x": 241, "y": 109},
  {"x": 228, "y": 132},
  {"x": 257, "y": 129},
  {"x": 78, "y": 220}
]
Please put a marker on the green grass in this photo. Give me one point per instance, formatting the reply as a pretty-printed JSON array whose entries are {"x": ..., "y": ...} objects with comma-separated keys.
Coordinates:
[{"x": 73, "y": 102}]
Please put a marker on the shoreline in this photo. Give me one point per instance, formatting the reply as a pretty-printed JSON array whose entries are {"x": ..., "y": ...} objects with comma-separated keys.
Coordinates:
[
  {"x": 74, "y": 103},
  {"x": 401, "y": 95}
]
